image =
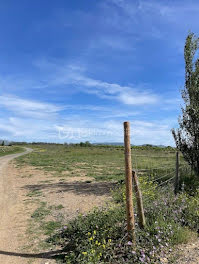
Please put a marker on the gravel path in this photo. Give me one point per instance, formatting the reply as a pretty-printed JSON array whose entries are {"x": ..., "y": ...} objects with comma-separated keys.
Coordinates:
[
  {"x": 10, "y": 212},
  {"x": 188, "y": 254}
]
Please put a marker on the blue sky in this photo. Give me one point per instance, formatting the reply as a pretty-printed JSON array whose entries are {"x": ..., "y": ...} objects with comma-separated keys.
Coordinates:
[{"x": 73, "y": 71}]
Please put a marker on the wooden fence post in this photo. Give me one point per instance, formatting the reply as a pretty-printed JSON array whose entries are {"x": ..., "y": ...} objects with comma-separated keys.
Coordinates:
[
  {"x": 129, "y": 185},
  {"x": 140, "y": 207},
  {"x": 176, "y": 182}
]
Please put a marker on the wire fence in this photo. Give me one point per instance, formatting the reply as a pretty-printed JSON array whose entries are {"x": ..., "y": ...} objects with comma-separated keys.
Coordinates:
[
  {"x": 162, "y": 176},
  {"x": 164, "y": 182}
]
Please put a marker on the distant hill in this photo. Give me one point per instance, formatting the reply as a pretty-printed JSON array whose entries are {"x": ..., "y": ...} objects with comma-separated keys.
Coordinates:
[
  {"x": 110, "y": 143},
  {"x": 122, "y": 144},
  {"x": 160, "y": 146}
]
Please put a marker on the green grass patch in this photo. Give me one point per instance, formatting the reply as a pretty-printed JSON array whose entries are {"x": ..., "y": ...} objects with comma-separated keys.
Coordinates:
[
  {"x": 59, "y": 207},
  {"x": 34, "y": 193},
  {"x": 7, "y": 150},
  {"x": 50, "y": 227},
  {"x": 41, "y": 212}
]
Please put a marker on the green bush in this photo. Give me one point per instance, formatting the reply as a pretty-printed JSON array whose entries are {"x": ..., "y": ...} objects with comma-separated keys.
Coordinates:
[{"x": 189, "y": 181}]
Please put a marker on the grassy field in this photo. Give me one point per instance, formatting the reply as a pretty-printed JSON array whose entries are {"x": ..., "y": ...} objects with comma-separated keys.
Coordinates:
[
  {"x": 100, "y": 236},
  {"x": 6, "y": 150},
  {"x": 101, "y": 163}
]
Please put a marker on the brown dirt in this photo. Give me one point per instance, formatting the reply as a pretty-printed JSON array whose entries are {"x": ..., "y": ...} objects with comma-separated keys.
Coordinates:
[
  {"x": 76, "y": 194},
  {"x": 187, "y": 253}
]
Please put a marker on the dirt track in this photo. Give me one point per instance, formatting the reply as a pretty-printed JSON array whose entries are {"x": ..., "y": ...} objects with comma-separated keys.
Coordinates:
[
  {"x": 10, "y": 212},
  {"x": 14, "y": 216},
  {"x": 187, "y": 254}
]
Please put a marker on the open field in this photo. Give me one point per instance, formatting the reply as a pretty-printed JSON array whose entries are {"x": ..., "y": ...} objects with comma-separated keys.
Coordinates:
[{"x": 101, "y": 163}]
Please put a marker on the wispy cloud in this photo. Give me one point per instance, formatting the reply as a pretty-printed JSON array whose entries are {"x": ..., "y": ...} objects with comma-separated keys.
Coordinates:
[
  {"x": 37, "y": 109},
  {"x": 28, "y": 129},
  {"x": 112, "y": 42},
  {"x": 160, "y": 20},
  {"x": 27, "y": 125},
  {"x": 72, "y": 74},
  {"x": 29, "y": 108},
  {"x": 124, "y": 94},
  {"x": 155, "y": 132}
]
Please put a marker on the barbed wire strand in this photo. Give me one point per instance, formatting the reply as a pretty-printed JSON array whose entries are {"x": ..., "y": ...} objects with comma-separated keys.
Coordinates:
[
  {"x": 154, "y": 156},
  {"x": 166, "y": 181},
  {"x": 145, "y": 200},
  {"x": 159, "y": 184},
  {"x": 156, "y": 179},
  {"x": 159, "y": 168}
]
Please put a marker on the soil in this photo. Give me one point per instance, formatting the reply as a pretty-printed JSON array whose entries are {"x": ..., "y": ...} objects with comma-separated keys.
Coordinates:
[{"x": 187, "y": 253}]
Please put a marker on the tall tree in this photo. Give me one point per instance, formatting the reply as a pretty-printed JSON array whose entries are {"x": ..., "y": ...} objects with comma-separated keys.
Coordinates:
[{"x": 187, "y": 135}]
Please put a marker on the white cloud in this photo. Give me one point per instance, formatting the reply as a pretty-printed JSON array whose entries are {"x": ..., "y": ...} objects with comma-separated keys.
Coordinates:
[
  {"x": 27, "y": 129},
  {"x": 85, "y": 127},
  {"x": 138, "y": 99},
  {"x": 28, "y": 107},
  {"x": 124, "y": 94},
  {"x": 71, "y": 75},
  {"x": 111, "y": 131},
  {"x": 143, "y": 132}
]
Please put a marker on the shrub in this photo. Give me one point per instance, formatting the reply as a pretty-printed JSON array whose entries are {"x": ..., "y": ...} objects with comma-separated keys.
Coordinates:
[{"x": 189, "y": 181}]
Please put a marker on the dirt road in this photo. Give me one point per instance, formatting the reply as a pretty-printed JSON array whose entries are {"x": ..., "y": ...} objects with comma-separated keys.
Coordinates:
[
  {"x": 14, "y": 217},
  {"x": 187, "y": 254},
  {"x": 11, "y": 217}
]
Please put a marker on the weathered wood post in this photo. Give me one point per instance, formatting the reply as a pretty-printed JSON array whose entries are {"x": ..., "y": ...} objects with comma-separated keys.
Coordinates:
[
  {"x": 129, "y": 185},
  {"x": 176, "y": 182},
  {"x": 140, "y": 207}
]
